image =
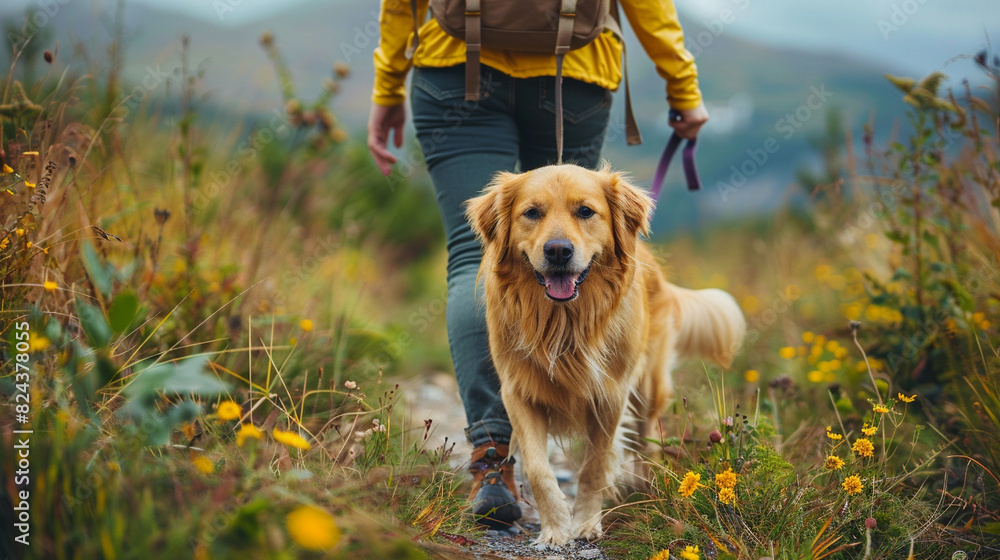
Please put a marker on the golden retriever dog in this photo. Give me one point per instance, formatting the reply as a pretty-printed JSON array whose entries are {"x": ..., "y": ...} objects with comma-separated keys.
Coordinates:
[{"x": 583, "y": 326}]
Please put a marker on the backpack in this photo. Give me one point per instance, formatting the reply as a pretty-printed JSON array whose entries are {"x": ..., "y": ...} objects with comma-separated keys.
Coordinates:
[{"x": 535, "y": 26}]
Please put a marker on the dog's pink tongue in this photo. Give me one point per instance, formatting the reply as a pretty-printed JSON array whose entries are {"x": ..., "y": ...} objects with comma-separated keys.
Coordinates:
[{"x": 561, "y": 286}]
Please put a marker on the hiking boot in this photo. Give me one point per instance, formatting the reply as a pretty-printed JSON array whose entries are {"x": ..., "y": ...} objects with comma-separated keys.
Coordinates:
[{"x": 494, "y": 494}]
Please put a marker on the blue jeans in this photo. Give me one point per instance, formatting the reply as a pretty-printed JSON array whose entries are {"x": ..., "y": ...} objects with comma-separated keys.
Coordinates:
[{"x": 465, "y": 143}]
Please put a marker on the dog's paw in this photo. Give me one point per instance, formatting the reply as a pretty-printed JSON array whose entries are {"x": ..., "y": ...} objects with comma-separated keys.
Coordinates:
[
  {"x": 589, "y": 529},
  {"x": 552, "y": 536}
]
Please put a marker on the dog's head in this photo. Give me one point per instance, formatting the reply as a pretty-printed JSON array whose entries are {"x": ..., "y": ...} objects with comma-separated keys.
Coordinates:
[{"x": 558, "y": 222}]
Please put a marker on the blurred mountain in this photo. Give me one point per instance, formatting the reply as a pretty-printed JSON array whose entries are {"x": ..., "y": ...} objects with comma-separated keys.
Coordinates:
[
  {"x": 768, "y": 106},
  {"x": 767, "y": 103}
]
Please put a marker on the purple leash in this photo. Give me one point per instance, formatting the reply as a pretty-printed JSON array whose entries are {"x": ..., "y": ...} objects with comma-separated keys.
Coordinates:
[{"x": 690, "y": 170}]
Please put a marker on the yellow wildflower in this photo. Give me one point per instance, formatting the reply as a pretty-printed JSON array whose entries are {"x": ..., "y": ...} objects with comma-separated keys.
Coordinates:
[
  {"x": 661, "y": 555},
  {"x": 787, "y": 352},
  {"x": 863, "y": 447},
  {"x": 689, "y": 484},
  {"x": 203, "y": 464},
  {"x": 19, "y": 231},
  {"x": 751, "y": 375},
  {"x": 816, "y": 376},
  {"x": 880, "y": 409},
  {"x": 36, "y": 343},
  {"x": 852, "y": 484},
  {"x": 30, "y": 185},
  {"x": 312, "y": 528},
  {"x": 691, "y": 553},
  {"x": 247, "y": 431},
  {"x": 834, "y": 436},
  {"x": 904, "y": 398},
  {"x": 834, "y": 463},
  {"x": 290, "y": 439},
  {"x": 726, "y": 479},
  {"x": 228, "y": 410},
  {"x": 306, "y": 324},
  {"x": 808, "y": 337},
  {"x": 868, "y": 430},
  {"x": 823, "y": 272},
  {"x": 727, "y": 496},
  {"x": 7, "y": 169},
  {"x": 50, "y": 285}
]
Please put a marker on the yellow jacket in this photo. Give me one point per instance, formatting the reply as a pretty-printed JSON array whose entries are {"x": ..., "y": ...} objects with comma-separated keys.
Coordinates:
[{"x": 654, "y": 22}]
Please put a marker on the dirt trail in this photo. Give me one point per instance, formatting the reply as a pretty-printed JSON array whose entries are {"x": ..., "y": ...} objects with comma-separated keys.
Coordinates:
[{"x": 436, "y": 397}]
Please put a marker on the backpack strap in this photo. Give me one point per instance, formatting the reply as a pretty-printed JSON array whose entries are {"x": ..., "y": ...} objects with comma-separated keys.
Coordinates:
[
  {"x": 564, "y": 35},
  {"x": 416, "y": 32},
  {"x": 632, "y": 134},
  {"x": 564, "y": 30},
  {"x": 473, "y": 44},
  {"x": 559, "y": 109}
]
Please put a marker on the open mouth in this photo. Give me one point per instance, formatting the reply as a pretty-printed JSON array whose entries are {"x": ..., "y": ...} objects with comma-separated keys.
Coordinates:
[{"x": 562, "y": 285}]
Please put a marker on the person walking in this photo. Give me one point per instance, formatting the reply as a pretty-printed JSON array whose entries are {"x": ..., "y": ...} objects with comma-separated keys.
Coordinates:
[{"x": 465, "y": 143}]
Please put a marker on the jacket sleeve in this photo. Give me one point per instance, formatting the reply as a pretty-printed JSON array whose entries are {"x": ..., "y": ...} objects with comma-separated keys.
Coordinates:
[
  {"x": 391, "y": 64},
  {"x": 659, "y": 31}
]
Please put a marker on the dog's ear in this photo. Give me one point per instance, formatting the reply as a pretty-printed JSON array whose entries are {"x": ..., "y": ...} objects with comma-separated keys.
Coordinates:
[
  {"x": 483, "y": 213},
  {"x": 488, "y": 213},
  {"x": 630, "y": 211}
]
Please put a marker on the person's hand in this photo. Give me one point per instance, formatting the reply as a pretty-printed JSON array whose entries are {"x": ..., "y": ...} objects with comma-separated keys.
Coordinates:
[
  {"x": 382, "y": 120},
  {"x": 691, "y": 121}
]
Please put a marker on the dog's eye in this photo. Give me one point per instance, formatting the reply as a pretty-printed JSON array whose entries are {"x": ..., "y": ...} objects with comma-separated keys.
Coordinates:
[
  {"x": 532, "y": 214},
  {"x": 585, "y": 212}
]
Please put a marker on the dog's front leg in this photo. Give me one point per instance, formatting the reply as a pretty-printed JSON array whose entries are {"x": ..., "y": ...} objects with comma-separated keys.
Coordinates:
[
  {"x": 531, "y": 427},
  {"x": 598, "y": 472}
]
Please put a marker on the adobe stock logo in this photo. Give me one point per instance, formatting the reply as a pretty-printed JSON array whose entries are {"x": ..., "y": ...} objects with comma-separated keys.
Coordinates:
[
  {"x": 899, "y": 17},
  {"x": 787, "y": 125},
  {"x": 715, "y": 27}
]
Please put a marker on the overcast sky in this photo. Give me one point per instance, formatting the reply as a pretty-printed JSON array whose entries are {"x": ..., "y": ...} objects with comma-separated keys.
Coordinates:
[
  {"x": 917, "y": 35},
  {"x": 912, "y": 35}
]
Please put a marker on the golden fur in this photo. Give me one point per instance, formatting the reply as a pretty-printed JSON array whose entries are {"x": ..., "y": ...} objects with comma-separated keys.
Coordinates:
[{"x": 571, "y": 366}]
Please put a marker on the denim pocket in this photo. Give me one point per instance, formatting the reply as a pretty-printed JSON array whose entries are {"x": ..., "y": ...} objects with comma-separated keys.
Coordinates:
[
  {"x": 443, "y": 84},
  {"x": 581, "y": 100}
]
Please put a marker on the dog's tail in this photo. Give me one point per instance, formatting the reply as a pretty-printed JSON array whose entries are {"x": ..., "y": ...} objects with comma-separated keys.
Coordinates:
[{"x": 711, "y": 325}]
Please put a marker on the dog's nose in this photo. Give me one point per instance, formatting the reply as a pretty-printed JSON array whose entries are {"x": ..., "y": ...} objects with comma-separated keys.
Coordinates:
[{"x": 558, "y": 251}]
